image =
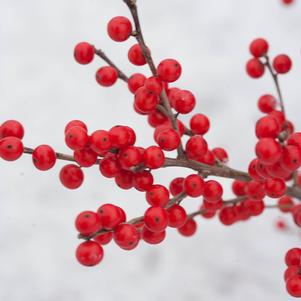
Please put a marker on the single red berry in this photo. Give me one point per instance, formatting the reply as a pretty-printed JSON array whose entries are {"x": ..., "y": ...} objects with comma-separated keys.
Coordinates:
[
  {"x": 76, "y": 138},
  {"x": 194, "y": 185},
  {"x": 143, "y": 180},
  {"x": 196, "y": 147},
  {"x": 104, "y": 238},
  {"x": 267, "y": 103},
  {"x": 176, "y": 186},
  {"x": 169, "y": 70},
  {"x": 213, "y": 191},
  {"x": 11, "y": 148},
  {"x": 228, "y": 216},
  {"x": 252, "y": 169},
  {"x": 119, "y": 29},
  {"x": 171, "y": 94},
  {"x": 129, "y": 157},
  {"x": 212, "y": 206},
  {"x": 89, "y": 253},
  {"x": 71, "y": 176},
  {"x": 293, "y": 257},
  {"x": 110, "y": 216},
  {"x": 122, "y": 136},
  {"x": 291, "y": 158},
  {"x": 208, "y": 158},
  {"x": 282, "y": 63},
  {"x": 84, "y": 53},
  {"x": 268, "y": 151},
  {"x": 255, "y": 190},
  {"x": 199, "y": 124},
  {"x": 169, "y": 139},
  {"x": 135, "y": 55},
  {"x": 145, "y": 100},
  {"x": 184, "y": 102},
  {"x": 74, "y": 123},
  {"x": 290, "y": 272},
  {"x": 275, "y": 188},
  {"x": 154, "y": 85},
  {"x": 126, "y": 236},
  {"x": 125, "y": 179},
  {"x": 157, "y": 195},
  {"x": 177, "y": 216},
  {"x": 254, "y": 207},
  {"x": 11, "y": 128},
  {"x": 267, "y": 127},
  {"x": 285, "y": 204},
  {"x": 279, "y": 116},
  {"x": 44, "y": 157},
  {"x": 106, "y": 76},
  {"x": 293, "y": 286},
  {"x": 189, "y": 228},
  {"x": 238, "y": 187},
  {"x": 295, "y": 139},
  {"x": 85, "y": 157},
  {"x": 88, "y": 222},
  {"x": 259, "y": 47},
  {"x": 109, "y": 166},
  {"x": 166, "y": 126},
  {"x": 152, "y": 237},
  {"x": 156, "y": 219},
  {"x": 156, "y": 118},
  {"x": 207, "y": 213},
  {"x": 220, "y": 154},
  {"x": 136, "y": 81},
  {"x": 153, "y": 157},
  {"x": 255, "y": 68}
]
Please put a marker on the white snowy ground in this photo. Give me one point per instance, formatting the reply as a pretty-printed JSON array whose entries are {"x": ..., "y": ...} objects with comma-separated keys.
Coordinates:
[{"x": 41, "y": 85}]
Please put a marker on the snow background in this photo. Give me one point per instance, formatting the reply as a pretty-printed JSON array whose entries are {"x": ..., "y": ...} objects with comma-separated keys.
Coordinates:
[{"x": 42, "y": 86}]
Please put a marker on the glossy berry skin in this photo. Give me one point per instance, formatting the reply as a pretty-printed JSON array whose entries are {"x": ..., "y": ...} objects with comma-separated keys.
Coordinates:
[
  {"x": 184, "y": 102},
  {"x": 238, "y": 187},
  {"x": 157, "y": 195},
  {"x": 213, "y": 191},
  {"x": 177, "y": 216},
  {"x": 169, "y": 70},
  {"x": 89, "y": 253},
  {"x": 176, "y": 186},
  {"x": 156, "y": 118},
  {"x": 71, "y": 176},
  {"x": 282, "y": 63},
  {"x": 254, "y": 207},
  {"x": 252, "y": 170},
  {"x": 143, "y": 180},
  {"x": 152, "y": 238},
  {"x": 104, "y": 238},
  {"x": 228, "y": 216},
  {"x": 208, "y": 158},
  {"x": 168, "y": 139},
  {"x": 106, "y": 76},
  {"x": 87, "y": 223},
  {"x": 285, "y": 204},
  {"x": 11, "y": 148},
  {"x": 255, "y": 68},
  {"x": 126, "y": 236},
  {"x": 110, "y": 216},
  {"x": 199, "y": 124},
  {"x": 156, "y": 219},
  {"x": 145, "y": 100},
  {"x": 85, "y": 157},
  {"x": 255, "y": 190},
  {"x": 84, "y": 53},
  {"x": 74, "y": 123},
  {"x": 259, "y": 47},
  {"x": 293, "y": 257},
  {"x": 295, "y": 139},
  {"x": 135, "y": 82},
  {"x": 189, "y": 228},
  {"x": 135, "y": 55},
  {"x": 153, "y": 157},
  {"x": 290, "y": 272},
  {"x": 290, "y": 158},
  {"x": 293, "y": 286},
  {"x": 154, "y": 85},
  {"x": 267, "y": 127},
  {"x": 220, "y": 154},
  {"x": 279, "y": 116},
  {"x": 196, "y": 147},
  {"x": 268, "y": 151},
  {"x": 267, "y": 103},
  {"x": 194, "y": 185},
  {"x": 76, "y": 138},
  {"x": 124, "y": 179},
  {"x": 122, "y": 136},
  {"x": 119, "y": 29},
  {"x": 11, "y": 128},
  {"x": 129, "y": 157},
  {"x": 109, "y": 166},
  {"x": 43, "y": 157}
]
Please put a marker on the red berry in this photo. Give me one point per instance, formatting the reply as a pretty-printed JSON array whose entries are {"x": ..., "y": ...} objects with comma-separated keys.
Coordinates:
[
  {"x": 109, "y": 166},
  {"x": 11, "y": 148},
  {"x": 89, "y": 253},
  {"x": 285, "y": 204},
  {"x": 143, "y": 180},
  {"x": 228, "y": 216},
  {"x": 293, "y": 286},
  {"x": 208, "y": 158},
  {"x": 74, "y": 123},
  {"x": 252, "y": 169},
  {"x": 194, "y": 186},
  {"x": 154, "y": 85},
  {"x": 196, "y": 147},
  {"x": 124, "y": 179},
  {"x": 267, "y": 103},
  {"x": 184, "y": 102},
  {"x": 199, "y": 124},
  {"x": 71, "y": 176},
  {"x": 268, "y": 151},
  {"x": 11, "y": 128},
  {"x": 279, "y": 116},
  {"x": 220, "y": 154},
  {"x": 153, "y": 157},
  {"x": 189, "y": 228},
  {"x": 275, "y": 188},
  {"x": 76, "y": 138},
  {"x": 259, "y": 47},
  {"x": 152, "y": 237},
  {"x": 119, "y": 29},
  {"x": 290, "y": 272},
  {"x": 136, "y": 81},
  {"x": 296, "y": 211},
  {"x": 171, "y": 93},
  {"x": 84, "y": 53},
  {"x": 87, "y": 223},
  {"x": 176, "y": 186},
  {"x": 291, "y": 158},
  {"x": 254, "y": 207},
  {"x": 267, "y": 127},
  {"x": 295, "y": 139},
  {"x": 255, "y": 190},
  {"x": 168, "y": 139},
  {"x": 169, "y": 70},
  {"x": 287, "y": 2},
  {"x": 135, "y": 55},
  {"x": 177, "y": 216},
  {"x": 157, "y": 195},
  {"x": 255, "y": 68},
  {"x": 293, "y": 257},
  {"x": 110, "y": 216},
  {"x": 282, "y": 63},
  {"x": 85, "y": 157},
  {"x": 238, "y": 187},
  {"x": 129, "y": 157},
  {"x": 156, "y": 219},
  {"x": 122, "y": 136},
  {"x": 156, "y": 118},
  {"x": 106, "y": 76},
  {"x": 213, "y": 191},
  {"x": 43, "y": 157},
  {"x": 126, "y": 236},
  {"x": 104, "y": 238},
  {"x": 146, "y": 101}
]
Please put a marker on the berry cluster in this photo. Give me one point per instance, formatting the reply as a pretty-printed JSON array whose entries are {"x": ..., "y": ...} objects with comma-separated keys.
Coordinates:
[{"x": 272, "y": 174}]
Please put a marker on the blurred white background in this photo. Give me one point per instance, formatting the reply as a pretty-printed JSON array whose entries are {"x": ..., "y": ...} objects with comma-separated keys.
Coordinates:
[{"x": 42, "y": 86}]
